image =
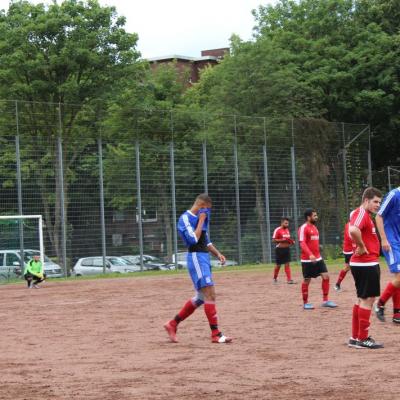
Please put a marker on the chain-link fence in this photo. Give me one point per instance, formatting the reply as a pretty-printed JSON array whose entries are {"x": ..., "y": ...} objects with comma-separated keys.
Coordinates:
[{"x": 115, "y": 184}]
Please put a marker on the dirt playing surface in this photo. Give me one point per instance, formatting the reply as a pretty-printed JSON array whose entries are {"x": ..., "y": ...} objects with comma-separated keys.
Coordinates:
[{"x": 104, "y": 339}]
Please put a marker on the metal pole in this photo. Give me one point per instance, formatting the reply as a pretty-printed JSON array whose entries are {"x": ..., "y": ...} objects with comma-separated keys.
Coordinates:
[
  {"x": 62, "y": 195},
  {"x": 205, "y": 170},
  {"x": 175, "y": 238},
  {"x": 19, "y": 187},
  {"x": 345, "y": 183},
  {"x": 237, "y": 193},
  {"x": 102, "y": 215},
  {"x": 389, "y": 182},
  {"x": 369, "y": 158},
  {"x": 267, "y": 211},
  {"x": 139, "y": 202},
  {"x": 294, "y": 191},
  {"x": 41, "y": 245}
]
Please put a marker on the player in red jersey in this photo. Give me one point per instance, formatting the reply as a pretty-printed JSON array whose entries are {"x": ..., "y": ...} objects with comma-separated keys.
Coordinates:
[
  {"x": 283, "y": 242},
  {"x": 348, "y": 250},
  {"x": 364, "y": 265},
  {"x": 312, "y": 263}
]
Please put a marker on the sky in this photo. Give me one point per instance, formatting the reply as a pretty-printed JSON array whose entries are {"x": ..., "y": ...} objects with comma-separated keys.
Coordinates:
[{"x": 183, "y": 27}]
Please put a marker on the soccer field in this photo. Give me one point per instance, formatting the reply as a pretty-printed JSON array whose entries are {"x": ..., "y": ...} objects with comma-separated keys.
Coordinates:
[{"x": 104, "y": 339}]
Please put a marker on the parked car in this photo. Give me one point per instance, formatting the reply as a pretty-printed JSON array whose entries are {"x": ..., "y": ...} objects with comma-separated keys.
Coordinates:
[
  {"x": 150, "y": 262},
  {"x": 10, "y": 264},
  {"x": 94, "y": 266},
  {"x": 181, "y": 257}
]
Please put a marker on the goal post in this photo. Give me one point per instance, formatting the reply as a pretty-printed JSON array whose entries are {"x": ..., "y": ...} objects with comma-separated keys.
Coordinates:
[{"x": 20, "y": 218}]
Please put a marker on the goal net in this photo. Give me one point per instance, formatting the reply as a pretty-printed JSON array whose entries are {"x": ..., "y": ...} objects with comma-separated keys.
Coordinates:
[{"x": 21, "y": 237}]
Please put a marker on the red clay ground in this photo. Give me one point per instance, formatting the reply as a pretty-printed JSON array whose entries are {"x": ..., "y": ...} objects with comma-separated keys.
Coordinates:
[{"x": 103, "y": 339}]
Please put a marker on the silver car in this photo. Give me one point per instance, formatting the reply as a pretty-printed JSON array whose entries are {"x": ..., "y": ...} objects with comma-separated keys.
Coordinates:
[{"x": 94, "y": 266}]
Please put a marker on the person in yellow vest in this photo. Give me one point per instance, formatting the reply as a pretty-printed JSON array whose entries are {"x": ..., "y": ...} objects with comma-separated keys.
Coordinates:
[{"x": 34, "y": 272}]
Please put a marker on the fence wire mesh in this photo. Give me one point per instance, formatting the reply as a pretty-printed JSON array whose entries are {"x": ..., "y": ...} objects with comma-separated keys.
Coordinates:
[{"x": 115, "y": 185}]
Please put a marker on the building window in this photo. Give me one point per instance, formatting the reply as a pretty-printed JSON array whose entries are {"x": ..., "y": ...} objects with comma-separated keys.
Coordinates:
[
  {"x": 117, "y": 239},
  {"x": 148, "y": 216}
]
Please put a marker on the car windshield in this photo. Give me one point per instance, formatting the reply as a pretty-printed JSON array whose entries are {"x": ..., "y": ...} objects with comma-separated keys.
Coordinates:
[
  {"x": 154, "y": 260},
  {"x": 118, "y": 261}
]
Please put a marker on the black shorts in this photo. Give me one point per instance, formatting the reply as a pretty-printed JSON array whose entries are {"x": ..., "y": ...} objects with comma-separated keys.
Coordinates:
[
  {"x": 313, "y": 270},
  {"x": 347, "y": 258},
  {"x": 367, "y": 280},
  {"x": 282, "y": 255}
]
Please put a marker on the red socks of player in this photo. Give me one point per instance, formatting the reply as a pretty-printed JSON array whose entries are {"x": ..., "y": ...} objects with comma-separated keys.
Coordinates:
[
  {"x": 211, "y": 313},
  {"x": 187, "y": 310},
  {"x": 276, "y": 271},
  {"x": 355, "y": 326},
  {"x": 342, "y": 275},
  {"x": 363, "y": 321},
  {"x": 288, "y": 272},
  {"x": 387, "y": 294},
  {"x": 325, "y": 289},
  {"x": 304, "y": 291}
]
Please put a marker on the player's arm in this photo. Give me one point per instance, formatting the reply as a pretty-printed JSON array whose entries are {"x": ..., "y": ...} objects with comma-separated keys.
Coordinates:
[
  {"x": 306, "y": 250},
  {"x": 199, "y": 227},
  {"x": 355, "y": 234},
  {"x": 380, "y": 225},
  {"x": 215, "y": 252}
]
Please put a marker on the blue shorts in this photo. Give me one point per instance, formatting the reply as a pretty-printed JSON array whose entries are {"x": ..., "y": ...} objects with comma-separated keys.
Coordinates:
[
  {"x": 199, "y": 268},
  {"x": 393, "y": 258}
]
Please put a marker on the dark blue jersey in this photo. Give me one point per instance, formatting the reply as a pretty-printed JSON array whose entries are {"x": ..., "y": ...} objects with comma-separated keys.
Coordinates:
[{"x": 186, "y": 228}]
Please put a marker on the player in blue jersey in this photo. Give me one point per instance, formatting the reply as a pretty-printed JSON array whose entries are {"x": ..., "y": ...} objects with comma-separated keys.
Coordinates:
[
  {"x": 192, "y": 227},
  {"x": 388, "y": 224}
]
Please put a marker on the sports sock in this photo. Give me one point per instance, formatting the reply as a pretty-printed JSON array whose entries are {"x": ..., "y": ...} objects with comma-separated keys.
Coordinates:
[
  {"x": 276, "y": 271},
  {"x": 363, "y": 323},
  {"x": 288, "y": 272},
  {"x": 325, "y": 289},
  {"x": 304, "y": 291},
  {"x": 342, "y": 275},
  {"x": 396, "y": 301},
  {"x": 387, "y": 294},
  {"x": 187, "y": 310},
  {"x": 211, "y": 313},
  {"x": 355, "y": 323}
]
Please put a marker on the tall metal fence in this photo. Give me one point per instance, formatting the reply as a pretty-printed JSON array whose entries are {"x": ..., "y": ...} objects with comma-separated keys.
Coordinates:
[{"x": 115, "y": 183}]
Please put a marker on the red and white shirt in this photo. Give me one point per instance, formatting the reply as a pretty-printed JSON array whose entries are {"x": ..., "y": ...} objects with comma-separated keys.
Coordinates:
[
  {"x": 348, "y": 245},
  {"x": 363, "y": 221},
  {"x": 281, "y": 233},
  {"x": 309, "y": 242}
]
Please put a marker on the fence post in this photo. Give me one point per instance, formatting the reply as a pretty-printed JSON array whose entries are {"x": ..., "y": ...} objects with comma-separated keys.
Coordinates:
[
  {"x": 62, "y": 195},
  {"x": 102, "y": 217},
  {"x": 369, "y": 158},
  {"x": 205, "y": 169},
  {"x": 389, "y": 181},
  {"x": 139, "y": 202},
  {"x": 295, "y": 207},
  {"x": 345, "y": 183},
  {"x": 172, "y": 159},
  {"x": 237, "y": 193},
  {"x": 19, "y": 187},
  {"x": 267, "y": 211}
]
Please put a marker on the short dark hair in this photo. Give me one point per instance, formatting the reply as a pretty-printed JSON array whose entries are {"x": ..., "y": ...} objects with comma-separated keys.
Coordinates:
[
  {"x": 308, "y": 212},
  {"x": 284, "y": 219},
  {"x": 370, "y": 193},
  {"x": 204, "y": 197}
]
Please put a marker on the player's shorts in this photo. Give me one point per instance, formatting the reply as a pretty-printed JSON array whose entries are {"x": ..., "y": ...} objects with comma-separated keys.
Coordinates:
[
  {"x": 199, "y": 268},
  {"x": 347, "y": 258},
  {"x": 282, "y": 255},
  {"x": 393, "y": 258},
  {"x": 313, "y": 270},
  {"x": 367, "y": 280}
]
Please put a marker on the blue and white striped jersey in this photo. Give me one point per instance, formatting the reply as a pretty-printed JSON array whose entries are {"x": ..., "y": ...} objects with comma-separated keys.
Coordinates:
[
  {"x": 186, "y": 228},
  {"x": 390, "y": 211}
]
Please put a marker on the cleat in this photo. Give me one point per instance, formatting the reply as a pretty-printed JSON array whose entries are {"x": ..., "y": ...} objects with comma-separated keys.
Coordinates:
[
  {"x": 35, "y": 286},
  {"x": 221, "y": 338},
  {"x": 338, "y": 288},
  {"x": 353, "y": 343},
  {"x": 369, "y": 343},
  {"x": 308, "y": 306},
  {"x": 396, "y": 318},
  {"x": 290, "y": 282},
  {"x": 275, "y": 281},
  {"x": 379, "y": 312},
  {"x": 329, "y": 304},
  {"x": 171, "y": 330}
]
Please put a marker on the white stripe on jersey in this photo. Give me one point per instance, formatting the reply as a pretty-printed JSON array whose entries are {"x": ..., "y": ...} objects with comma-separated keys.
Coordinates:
[
  {"x": 275, "y": 232},
  {"x": 189, "y": 227},
  {"x": 386, "y": 202},
  {"x": 196, "y": 265},
  {"x": 359, "y": 218},
  {"x": 301, "y": 238}
]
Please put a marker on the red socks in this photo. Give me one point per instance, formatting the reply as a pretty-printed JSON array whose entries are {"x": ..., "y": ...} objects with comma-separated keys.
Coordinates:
[
  {"x": 387, "y": 294},
  {"x": 325, "y": 289},
  {"x": 363, "y": 320},
  {"x": 304, "y": 291},
  {"x": 211, "y": 313},
  {"x": 276, "y": 271},
  {"x": 355, "y": 326},
  {"x": 185, "y": 312},
  {"x": 342, "y": 275},
  {"x": 288, "y": 272}
]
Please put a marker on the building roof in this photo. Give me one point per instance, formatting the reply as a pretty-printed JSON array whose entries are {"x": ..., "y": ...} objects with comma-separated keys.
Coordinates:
[{"x": 184, "y": 58}]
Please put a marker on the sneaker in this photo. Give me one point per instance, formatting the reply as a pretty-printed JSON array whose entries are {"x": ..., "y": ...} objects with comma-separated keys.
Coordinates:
[
  {"x": 329, "y": 304},
  {"x": 290, "y": 282},
  {"x": 171, "y": 330},
  {"x": 353, "y": 343},
  {"x": 275, "y": 281},
  {"x": 369, "y": 343},
  {"x": 35, "y": 286},
  {"x": 30, "y": 286},
  {"x": 379, "y": 312},
  {"x": 308, "y": 306},
  {"x": 221, "y": 338},
  {"x": 396, "y": 318},
  {"x": 338, "y": 288}
]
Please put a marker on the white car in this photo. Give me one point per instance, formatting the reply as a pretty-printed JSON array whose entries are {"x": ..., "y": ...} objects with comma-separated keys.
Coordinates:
[
  {"x": 94, "y": 266},
  {"x": 10, "y": 263},
  {"x": 181, "y": 257}
]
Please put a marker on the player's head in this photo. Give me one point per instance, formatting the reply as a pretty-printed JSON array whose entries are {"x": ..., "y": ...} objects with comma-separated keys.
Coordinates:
[
  {"x": 310, "y": 215},
  {"x": 36, "y": 257},
  {"x": 284, "y": 222},
  {"x": 203, "y": 200},
  {"x": 371, "y": 199}
]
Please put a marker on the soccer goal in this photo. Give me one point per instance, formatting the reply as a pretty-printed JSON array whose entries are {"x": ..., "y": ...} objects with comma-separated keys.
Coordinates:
[{"x": 19, "y": 233}]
